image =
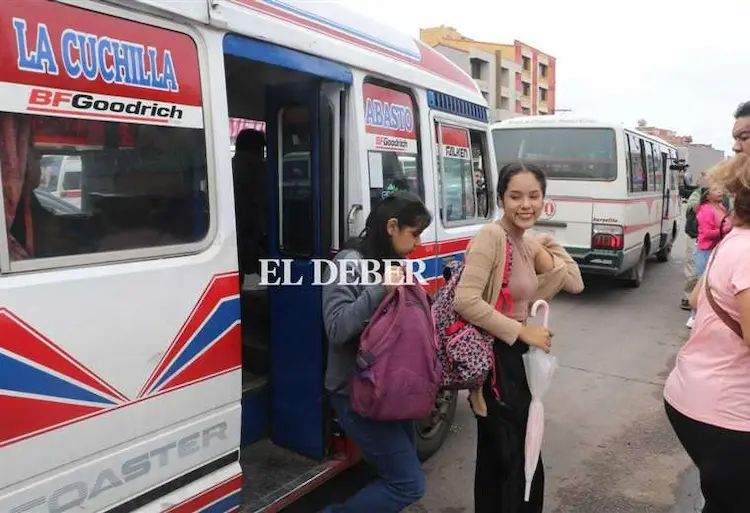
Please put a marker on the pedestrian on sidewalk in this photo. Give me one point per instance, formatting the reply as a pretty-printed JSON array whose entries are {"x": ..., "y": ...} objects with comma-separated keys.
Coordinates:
[
  {"x": 539, "y": 269},
  {"x": 707, "y": 394},
  {"x": 691, "y": 233}
]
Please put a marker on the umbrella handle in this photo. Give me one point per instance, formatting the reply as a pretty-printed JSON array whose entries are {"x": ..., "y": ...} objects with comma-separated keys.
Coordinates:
[{"x": 541, "y": 303}]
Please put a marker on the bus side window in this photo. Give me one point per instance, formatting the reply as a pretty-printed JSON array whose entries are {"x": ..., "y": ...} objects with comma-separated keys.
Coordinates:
[
  {"x": 86, "y": 187},
  {"x": 658, "y": 169},
  {"x": 393, "y": 156},
  {"x": 648, "y": 148},
  {"x": 638, "y": 180},
  {"x": 462, "y": 178},
  {"x": 479, "y": 145}
]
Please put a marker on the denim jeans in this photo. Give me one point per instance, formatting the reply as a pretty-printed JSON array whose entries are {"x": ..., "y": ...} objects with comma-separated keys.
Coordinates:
[
  {"x": 389, "y": 447},
  {"x": 701, "y": 260}
]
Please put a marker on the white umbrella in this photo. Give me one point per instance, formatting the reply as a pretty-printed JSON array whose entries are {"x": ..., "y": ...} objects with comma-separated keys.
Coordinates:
[{"x": 539, "y": 369}]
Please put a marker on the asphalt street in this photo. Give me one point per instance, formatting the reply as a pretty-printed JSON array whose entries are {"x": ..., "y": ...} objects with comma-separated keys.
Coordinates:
[{"x": 608, "y": 447}]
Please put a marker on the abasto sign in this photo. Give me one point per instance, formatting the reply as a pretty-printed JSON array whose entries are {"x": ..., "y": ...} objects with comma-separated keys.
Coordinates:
[
  {"x": 71, "y": 62},
  {"x": 389, "y": 120}
]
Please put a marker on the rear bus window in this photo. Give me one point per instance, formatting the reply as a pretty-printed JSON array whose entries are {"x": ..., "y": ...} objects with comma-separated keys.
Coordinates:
[
  {"x": 100, "y": 158},
  {"x": 563, "y": 153},
  {"x": 392, "y": 143}
]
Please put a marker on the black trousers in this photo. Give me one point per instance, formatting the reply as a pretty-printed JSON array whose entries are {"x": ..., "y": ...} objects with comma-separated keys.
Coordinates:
[
  {"x": 723, "y": 460},
  {"x": 499, "y": 479}
]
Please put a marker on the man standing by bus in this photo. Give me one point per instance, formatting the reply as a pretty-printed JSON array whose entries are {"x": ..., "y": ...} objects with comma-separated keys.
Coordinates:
[{"x": 741, "y": 136}]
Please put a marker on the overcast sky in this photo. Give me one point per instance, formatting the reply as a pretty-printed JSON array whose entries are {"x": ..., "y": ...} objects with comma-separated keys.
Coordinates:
[{"x": 678, "y": 65}]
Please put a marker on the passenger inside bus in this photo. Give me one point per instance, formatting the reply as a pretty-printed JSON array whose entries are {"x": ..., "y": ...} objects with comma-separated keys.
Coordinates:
[
  {"x": 141, "y": 186},
  {"x": 250, "y": 174}
]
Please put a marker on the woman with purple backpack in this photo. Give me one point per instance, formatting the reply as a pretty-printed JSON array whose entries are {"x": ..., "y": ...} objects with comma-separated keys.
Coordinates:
[
  {"x": 538, "y": 268},
  {"x": 392, "y": 231}
]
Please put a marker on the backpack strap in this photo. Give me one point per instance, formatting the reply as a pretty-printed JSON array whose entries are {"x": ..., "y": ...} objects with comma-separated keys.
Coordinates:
[
  {"x": 503, "y": 299},
  {"x": 719, "y": 311}
]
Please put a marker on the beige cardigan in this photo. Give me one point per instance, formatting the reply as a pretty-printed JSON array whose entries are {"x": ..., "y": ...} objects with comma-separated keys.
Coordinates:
[{"x": 478, "y": 290}]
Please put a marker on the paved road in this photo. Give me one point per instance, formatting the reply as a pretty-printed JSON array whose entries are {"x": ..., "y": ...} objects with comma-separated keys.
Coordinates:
[{"x": 608, "y": 446}]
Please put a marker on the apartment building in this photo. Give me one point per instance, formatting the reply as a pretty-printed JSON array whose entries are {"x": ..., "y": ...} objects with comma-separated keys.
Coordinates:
[{"x": 515, "y": 79}]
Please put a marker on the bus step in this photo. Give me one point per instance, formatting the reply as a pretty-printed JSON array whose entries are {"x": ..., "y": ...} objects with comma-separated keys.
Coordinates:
[{"x": 275, "y": 477}]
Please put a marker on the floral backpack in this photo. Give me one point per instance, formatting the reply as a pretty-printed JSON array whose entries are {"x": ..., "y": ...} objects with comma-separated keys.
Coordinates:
[{"x": 464, "y": 350}]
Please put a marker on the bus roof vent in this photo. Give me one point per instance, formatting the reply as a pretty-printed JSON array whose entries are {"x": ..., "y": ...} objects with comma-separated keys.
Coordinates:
[{"x": 452, "y": 105}]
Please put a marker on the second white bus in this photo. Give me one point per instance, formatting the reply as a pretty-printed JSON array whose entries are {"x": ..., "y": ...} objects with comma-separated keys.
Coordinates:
[{"x": 612, "y": 194}]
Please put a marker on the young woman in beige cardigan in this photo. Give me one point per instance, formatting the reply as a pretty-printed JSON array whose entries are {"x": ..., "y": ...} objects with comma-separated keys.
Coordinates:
[{"x": 540, "y": 269}]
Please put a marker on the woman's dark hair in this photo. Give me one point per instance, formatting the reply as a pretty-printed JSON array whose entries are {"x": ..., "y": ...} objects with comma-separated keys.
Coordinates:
[
  {"x": 374, "y": 241},
  {"x": 508, "y": 171}
]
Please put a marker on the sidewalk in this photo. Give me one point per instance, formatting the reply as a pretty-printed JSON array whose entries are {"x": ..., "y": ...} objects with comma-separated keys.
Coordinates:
[{"x": 689, "y": 498}]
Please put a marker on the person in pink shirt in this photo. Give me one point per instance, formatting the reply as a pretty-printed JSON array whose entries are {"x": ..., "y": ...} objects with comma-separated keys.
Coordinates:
[
  {"x": 707, "y": 394},
  {"x": 713, "y": 224}
]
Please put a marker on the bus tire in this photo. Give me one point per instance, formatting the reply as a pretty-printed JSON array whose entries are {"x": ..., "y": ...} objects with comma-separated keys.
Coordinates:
[
  {"x": 432, "y": 431},
  {"x": 638, "y": 272},
  {"x": 664, "y": 253}
]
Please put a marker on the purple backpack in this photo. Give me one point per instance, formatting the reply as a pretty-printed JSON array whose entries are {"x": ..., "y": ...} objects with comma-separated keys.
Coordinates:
[
  {"x": 397, "y": 374},
  {"x": 464, "y": 350}
]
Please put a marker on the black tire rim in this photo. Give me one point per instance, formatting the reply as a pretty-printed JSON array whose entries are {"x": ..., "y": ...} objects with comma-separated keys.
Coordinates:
[{"x": 432, "y": 425}]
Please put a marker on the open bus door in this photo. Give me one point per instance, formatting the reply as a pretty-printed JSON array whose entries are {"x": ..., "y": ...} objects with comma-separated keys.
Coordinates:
[{"x": 300, "y": 159}]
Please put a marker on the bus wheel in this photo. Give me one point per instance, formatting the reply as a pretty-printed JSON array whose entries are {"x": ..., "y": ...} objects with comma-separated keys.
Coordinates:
[
  {"x": 663, "y": 254},
  {"x": 639, "y": 271},
  {"x": 432, "y": 431}
]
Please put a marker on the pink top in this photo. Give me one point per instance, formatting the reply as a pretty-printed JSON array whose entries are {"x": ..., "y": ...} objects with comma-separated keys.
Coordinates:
[
  {"x": 710, "y": 382},
  {"x": 709, "y": 222},
  {"x": 522, "y": 282}
]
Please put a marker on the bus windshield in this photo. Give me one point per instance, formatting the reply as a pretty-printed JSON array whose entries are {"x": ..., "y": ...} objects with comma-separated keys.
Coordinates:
[{"x": 563, "y": 153}]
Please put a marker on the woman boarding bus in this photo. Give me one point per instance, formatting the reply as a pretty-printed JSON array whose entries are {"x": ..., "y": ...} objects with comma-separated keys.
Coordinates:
[{"x": 136, "y": 359}]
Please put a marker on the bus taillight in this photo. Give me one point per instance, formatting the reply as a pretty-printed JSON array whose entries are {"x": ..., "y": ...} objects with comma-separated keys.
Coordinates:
[{"x": 607, "y": 236}]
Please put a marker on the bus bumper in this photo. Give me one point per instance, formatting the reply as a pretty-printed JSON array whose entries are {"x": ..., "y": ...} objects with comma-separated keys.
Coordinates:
[{"x": 599, "y": 262}]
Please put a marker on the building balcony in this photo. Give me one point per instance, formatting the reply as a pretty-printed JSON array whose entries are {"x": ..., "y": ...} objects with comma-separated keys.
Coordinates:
[
  {"x": 543, "y": 83},
  {"x": 502, "y": 114},
  {"x": 525, "y": 101},
  {"x": 483, "y": 85},
  {"x": 507, "y": 92},
  {"x": 526, "y": 75}
]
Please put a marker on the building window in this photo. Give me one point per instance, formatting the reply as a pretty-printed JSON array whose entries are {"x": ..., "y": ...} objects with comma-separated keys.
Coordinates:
[
  {"x": 476, "y": 69},
  {"x": 526, "y": 111},
  {"x": 392, "y": 142},
  {"x": 526, "y": 88},
  {"x": 543, "y": 70},
  {"x": 542, "y": 94},
  {"x": 526, "y": 63},
  {"x": 504, "y": 77},
  {"x": 462, "y": 174},
  {"x": 101, "y": 186}
]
